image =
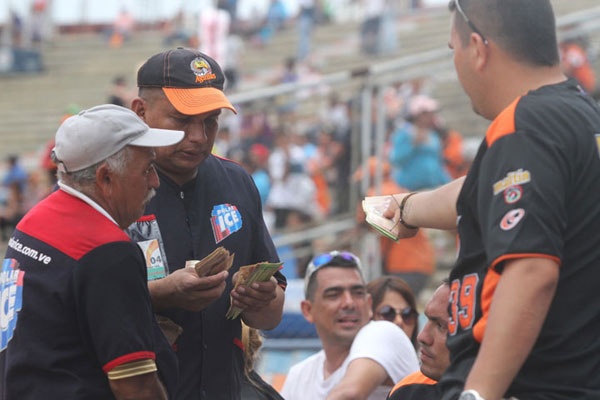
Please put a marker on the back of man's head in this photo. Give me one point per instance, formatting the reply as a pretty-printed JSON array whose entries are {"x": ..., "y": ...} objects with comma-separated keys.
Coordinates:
[{"x": 524, "y": 29}]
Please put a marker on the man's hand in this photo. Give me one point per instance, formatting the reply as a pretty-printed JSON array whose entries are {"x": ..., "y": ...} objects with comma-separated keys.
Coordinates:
[
  {"x": 254, "y": 297},
  {"x": 262, "y": 303},
  {"x": 393, "y": 213},
  {"x": 434, "y": 209},
  {"x": 185, "y": 289}
]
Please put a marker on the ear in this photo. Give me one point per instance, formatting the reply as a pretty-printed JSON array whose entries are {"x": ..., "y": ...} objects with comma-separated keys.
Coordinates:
[
  {"x": 104, "y": 179},
  {"x": 306, "y": 307},
  {"x": 482, "y": 51},
  {"x": 138, "y": 105}
]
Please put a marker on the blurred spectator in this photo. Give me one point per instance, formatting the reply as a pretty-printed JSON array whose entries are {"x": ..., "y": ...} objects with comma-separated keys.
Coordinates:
[
  {"x": 575, "y": 64},
  {"x": 46, "y": 161},
  {"x": 119, "y": 93},
  {"x": 15, "y": 174},
  {"x": 286, "y": 103},
  {"x": 306, "y": 22},
  {"x": 11, "y": 211},
  {"x": 453, "y": 151},
  {"x": 370, "y": 29},
  {"x": 416, "y": 150},
  {"x": 412, "y": 259},
  {"x": 15, "y": 186},
  {"x": 213, "y": 30},
  {"x": 179, "y": 30},
  {"x": 253, "y": 386},
  {"x": 275, "y": 20},
  {"x": 16, "y": 28},
  {"x": 255, "y": 127},
  {"x": 39, "y": 24},
  {"x": 235, "y": 47},
  {"x": 122, "y": 28},
  {"x": 337, "y": 114},
  {"x": 326, "y": 169},
  {"x": 388, "y": 38},
  {"x": 292, "y": 188},
  {"x": 256, "y": 164},
  {"x": 310, "y": 72}
]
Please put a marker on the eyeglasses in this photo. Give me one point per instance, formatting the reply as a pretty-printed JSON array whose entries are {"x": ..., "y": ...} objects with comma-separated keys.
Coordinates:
[
  {"x": 325, "y": 259},
  {"x": 408, "y": 314},
  {"x": 468, "y": 21}
]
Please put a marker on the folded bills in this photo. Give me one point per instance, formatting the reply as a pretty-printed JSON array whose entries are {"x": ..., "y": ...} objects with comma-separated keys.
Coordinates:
[{"x": 248, "y": 274}]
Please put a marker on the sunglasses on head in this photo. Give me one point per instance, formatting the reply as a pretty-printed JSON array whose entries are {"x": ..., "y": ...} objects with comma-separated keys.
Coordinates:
[
  {"x": 468, "y": 21},
  {"x": 408, "y": 314},
  {"x": 325, "y": 259}
]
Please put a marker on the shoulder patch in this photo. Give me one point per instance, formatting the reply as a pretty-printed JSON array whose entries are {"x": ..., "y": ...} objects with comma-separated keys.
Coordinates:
[
  {"x": 511, "y": 219},
  {"x": 512, "y": 178}
]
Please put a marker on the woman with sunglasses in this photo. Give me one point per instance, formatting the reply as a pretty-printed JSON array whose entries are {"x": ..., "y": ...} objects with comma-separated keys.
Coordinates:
[{"x": 394, "y": 301}]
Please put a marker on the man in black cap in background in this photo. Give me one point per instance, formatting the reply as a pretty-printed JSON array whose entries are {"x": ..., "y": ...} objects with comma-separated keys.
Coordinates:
[{"x": 203, "y": 202}]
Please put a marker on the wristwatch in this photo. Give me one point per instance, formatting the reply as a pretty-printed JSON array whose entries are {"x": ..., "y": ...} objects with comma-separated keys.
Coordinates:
[{"x": 470, "y": 395}]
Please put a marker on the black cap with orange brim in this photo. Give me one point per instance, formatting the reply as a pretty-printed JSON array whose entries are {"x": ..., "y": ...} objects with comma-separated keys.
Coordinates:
[{"x": 192, "y": 81}]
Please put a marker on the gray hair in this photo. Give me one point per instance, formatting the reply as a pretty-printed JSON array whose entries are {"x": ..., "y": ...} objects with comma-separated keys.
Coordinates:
[{"x": 85, "y": 178}]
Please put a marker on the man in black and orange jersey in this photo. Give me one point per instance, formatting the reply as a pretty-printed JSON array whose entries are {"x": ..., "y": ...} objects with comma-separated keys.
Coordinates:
[
  {"x": 433, "y": 352},
  {"x": 524, "y": 304}
]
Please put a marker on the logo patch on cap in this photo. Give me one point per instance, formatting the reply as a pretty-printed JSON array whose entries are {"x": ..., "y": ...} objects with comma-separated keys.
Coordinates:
[{"x": 201, "y": 68}]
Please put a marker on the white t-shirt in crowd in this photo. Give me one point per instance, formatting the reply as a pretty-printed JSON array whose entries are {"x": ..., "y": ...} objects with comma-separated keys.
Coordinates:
[{"x": 381, "y": 341}]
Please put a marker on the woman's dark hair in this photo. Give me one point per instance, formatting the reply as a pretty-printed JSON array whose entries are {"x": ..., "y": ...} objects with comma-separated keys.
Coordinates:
[{"x": 380, "y": 286}]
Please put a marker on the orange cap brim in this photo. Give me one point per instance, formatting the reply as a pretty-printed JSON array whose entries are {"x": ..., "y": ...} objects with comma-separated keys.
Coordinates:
[{"x": 192, "y": 101}]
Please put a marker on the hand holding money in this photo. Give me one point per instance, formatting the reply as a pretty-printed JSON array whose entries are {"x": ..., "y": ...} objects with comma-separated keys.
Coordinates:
[
  {"x": 249, "y": 274},
  {"x": 219, "y": 260}
]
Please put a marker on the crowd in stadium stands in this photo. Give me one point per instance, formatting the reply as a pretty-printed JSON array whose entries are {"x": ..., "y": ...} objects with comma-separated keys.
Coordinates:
[{"x": 301, "y": 165}]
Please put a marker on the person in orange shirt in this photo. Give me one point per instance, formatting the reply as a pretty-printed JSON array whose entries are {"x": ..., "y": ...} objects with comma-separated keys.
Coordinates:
[
  {"x": 575, "y": 64},
  {"x": 410, "y": 259}
]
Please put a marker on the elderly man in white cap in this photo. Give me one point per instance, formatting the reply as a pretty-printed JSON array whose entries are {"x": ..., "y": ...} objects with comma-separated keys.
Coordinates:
[{"x": 75, "y": 313}]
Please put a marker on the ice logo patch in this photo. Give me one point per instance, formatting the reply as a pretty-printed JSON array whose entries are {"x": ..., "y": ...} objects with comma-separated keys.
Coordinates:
[
  {"x": 11, "y": 299},
  {"x": 225, "y": 220}
]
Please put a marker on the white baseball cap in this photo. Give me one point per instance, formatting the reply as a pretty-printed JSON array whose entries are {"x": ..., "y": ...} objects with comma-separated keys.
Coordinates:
[{"x": 95, "y": 134}]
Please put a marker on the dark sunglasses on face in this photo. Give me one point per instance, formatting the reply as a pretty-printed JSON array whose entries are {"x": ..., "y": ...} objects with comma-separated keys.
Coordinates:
[{"x": 389, "y": 313}]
